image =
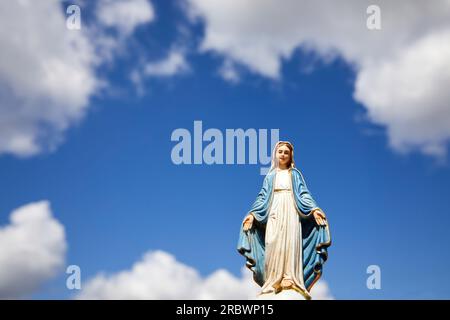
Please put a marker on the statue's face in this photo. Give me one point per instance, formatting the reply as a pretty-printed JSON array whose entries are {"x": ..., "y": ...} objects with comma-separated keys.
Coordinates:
[{"x": 283, "y": 156}]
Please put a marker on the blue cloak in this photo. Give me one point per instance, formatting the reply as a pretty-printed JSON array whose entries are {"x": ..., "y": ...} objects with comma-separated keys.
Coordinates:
[{"x": 315, "y": 239}]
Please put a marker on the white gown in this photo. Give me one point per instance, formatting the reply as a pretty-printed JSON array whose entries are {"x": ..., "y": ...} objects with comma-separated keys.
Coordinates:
[{"x": 283, "y": 240}]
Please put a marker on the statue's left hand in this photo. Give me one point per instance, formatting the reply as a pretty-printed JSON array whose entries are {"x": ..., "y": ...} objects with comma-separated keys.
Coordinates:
[
  {"x": 321, "y": 220},
  {"x": 248, "y": 222}
]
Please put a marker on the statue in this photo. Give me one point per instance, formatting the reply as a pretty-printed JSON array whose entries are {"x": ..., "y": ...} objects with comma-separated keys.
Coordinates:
[{"x": 285, "y": 235}]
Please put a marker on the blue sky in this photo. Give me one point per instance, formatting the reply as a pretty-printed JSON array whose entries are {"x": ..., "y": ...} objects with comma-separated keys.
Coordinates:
[{"x": 113, "y": 186}]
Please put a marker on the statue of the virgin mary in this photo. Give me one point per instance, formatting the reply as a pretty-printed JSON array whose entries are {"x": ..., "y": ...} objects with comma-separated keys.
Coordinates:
[{"x": 285, "y": 235}]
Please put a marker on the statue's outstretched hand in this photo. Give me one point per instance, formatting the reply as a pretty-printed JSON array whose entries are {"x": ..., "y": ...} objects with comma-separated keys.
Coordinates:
[
  {"x": 248, "y": 222},
  {"x": 321, "y": 220}
]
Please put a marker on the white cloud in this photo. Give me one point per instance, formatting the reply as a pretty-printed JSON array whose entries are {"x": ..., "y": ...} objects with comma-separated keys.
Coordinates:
[
  {"x": 228, "y": 72},
  {"x": 46, "y": 76},
  {"x": 125, "y": 15},
  {"x": 321, "y": 291},
  {"x": 174, "y": 63},
  {"x": 160, "y": 276},
  {"x": 409, "y": 94},
  {"x": 402, "y": 70},
  {"x": 32, "y": 250},
  {"x": 48, "y": 73}
]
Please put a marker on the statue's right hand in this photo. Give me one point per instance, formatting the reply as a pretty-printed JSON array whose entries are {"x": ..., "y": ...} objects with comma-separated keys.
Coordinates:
[{"x": 248, "y": 222}]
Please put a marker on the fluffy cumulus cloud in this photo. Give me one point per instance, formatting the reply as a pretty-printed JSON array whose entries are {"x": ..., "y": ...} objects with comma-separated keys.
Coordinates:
[
  {"x": 46, "y": 76},
  {"x": 125, "y": 15},
  {"x": 48, "y": 72},
  {"x": 174, "y": 63},
  {"x": 32, "y": 250},
  {"x": 409, "y": 94},
  {"x": 158, "y": 275},
  {"x": 402, "y": 70}
]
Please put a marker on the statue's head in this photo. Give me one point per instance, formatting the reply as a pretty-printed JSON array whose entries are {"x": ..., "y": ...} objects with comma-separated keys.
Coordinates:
[{"x": 283, "y": 155}]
